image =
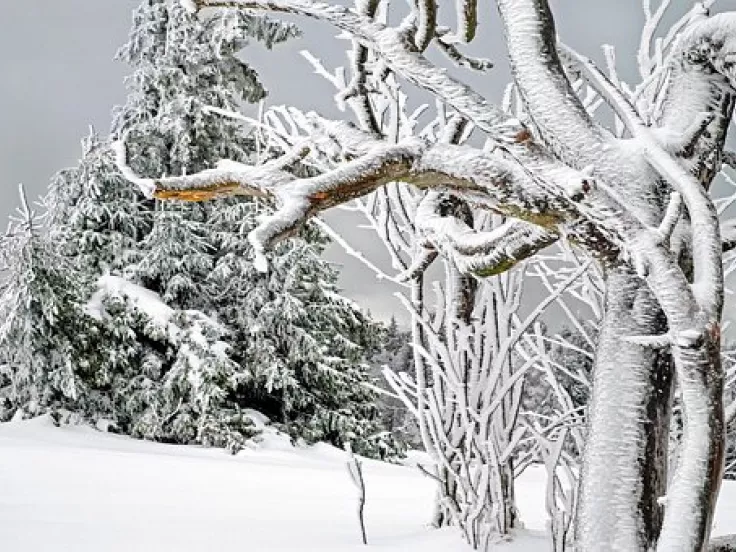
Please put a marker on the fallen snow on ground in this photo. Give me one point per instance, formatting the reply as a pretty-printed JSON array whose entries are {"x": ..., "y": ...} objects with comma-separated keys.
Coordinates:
[{"x": 78, "y": 490}]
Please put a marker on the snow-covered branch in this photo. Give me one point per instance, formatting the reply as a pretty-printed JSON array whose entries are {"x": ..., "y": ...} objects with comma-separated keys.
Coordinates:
[
  {"x": 480, "y": 252},
  {"x": 467, "y": 19},
  {"x": 391, "y": 46},
  {"x": 549, "y": 99},
  {"x": 487, "y": 179}
]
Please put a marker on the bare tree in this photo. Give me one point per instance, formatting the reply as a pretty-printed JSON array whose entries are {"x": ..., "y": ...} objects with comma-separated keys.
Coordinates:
[
  {"x": 556, "y": 432},
  {"x": 466, "y": 388},
  {"x": 467, "y": 400},
  {"x": 639, "y": 204}
]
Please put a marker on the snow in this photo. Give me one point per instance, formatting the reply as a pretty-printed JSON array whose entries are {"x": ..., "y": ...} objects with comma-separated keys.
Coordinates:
[
  {"x": 146, "y": 300},
  {"x": 74, "y": 489},
  {"x": 189, "y": 5},
  {"x": 80, "y": 490}
]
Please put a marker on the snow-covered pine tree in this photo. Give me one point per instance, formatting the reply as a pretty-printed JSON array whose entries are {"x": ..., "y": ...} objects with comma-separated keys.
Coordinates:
[
  {"x": 164, "y": 380},
  {"x": 304, "y": 344},
  {"x": 300, "y": 343},
  {"x": 43, "y": 323},
  {"x": 184, "y": 66},
  {"x": 95, "y": 218},
  {"x": 176, "y": 257}
]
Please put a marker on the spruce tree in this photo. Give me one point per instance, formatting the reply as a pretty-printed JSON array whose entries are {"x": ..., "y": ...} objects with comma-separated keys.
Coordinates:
[
  {"x": 285, "y": 342},
  {"x": 43, "y": 323},
  {"x": 96, "y": 218},
  {"x": 183, "y": 66}
]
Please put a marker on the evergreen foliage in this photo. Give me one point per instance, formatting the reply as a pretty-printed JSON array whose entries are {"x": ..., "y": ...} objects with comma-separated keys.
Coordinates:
[
  {"x": 182, "y": 335},
  {"x": 45, "y": 334},
  {"x": 96, "y": 218},
  {"x": 396, "y": 353},
  {"x": 293, "y": 338},
  {"x": 169, "y": 377}
]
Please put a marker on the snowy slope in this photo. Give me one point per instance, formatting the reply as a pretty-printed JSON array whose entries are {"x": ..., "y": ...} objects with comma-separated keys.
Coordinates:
[{"x": 77, "y": 490}]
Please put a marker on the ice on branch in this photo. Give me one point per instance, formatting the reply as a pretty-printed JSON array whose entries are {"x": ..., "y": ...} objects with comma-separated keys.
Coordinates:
[
  {"x": 390, "y": 46},
  {"x": 189, "y": 5}
]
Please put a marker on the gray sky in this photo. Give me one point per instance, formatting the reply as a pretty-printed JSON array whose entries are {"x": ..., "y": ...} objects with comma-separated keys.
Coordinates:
[{"x": 57, "y": 77}]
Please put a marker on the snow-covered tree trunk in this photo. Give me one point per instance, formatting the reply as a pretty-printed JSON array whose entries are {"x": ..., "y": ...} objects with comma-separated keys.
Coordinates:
[
  {"x": 625, "y": 463},
  {"x": 619, "y": 503}
]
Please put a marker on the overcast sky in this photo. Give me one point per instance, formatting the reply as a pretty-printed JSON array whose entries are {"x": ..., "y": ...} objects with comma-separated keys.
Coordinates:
[{"x": 57, "y": 77}]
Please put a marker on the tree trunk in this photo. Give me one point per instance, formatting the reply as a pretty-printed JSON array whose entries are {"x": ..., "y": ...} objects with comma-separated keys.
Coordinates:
[
  {"x": 507, "y": 508},
  {"x": 625, "y": 461},
  {"x": 692, "y": 494}
]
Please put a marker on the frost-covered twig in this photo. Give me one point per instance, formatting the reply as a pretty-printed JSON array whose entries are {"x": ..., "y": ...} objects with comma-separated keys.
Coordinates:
[
  {"x": 389, "y": 44},
  {"x": 355, "y": 469}
]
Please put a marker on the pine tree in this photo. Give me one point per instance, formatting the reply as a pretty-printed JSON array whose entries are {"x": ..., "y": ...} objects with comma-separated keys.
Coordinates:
[
  {"x": 176, "y": 256},
  {"x": 43, "y": 323},
  {"x": 96, "y": 217},
  {"x": 183, "y": 66}
]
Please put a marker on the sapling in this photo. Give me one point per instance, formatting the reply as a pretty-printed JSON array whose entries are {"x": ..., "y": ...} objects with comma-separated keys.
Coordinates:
[{"x": 355, "y": 469}]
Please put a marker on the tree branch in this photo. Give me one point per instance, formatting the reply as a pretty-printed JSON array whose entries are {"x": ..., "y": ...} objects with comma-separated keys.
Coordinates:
[
  {"x": 706, "y": 239},
  {"x": 446, "y": 45},
  {"x": 487, "y": 179},
  {"x": 426, "y": 23},
  {"x": 548, "y": 96},
  {"x": 357, "y": 87},
  {"x": 480, "y": 253},
  {"x": 393, "y": 49},
  {"x": 467, "y": 19}
]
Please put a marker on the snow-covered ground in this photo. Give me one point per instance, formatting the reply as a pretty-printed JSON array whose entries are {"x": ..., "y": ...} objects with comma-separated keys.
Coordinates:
[{"x": 78, "y": 490}]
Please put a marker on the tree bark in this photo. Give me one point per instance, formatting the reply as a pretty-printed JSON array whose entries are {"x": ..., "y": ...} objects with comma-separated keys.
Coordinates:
[{"x": 624, "y": 460}]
